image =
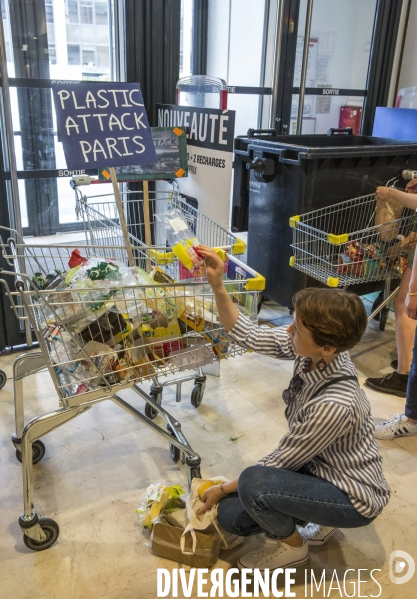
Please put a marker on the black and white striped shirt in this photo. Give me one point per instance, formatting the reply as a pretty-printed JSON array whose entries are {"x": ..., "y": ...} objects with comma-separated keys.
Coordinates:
[{"x": 331, "y": 434}]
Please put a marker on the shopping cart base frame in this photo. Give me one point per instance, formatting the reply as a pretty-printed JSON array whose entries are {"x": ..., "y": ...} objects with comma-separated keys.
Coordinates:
[{"x": 41, "y": 533}]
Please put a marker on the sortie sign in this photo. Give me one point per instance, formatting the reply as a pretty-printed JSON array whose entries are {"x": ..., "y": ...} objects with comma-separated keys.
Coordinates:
[{"x": 103, "y": 124}]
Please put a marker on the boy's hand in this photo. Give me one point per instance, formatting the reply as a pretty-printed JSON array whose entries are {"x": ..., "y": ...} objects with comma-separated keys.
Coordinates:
[
  {"x": 411, "y": 186},
  {"x": 211, "y": 497},
  {"x": 214, "y": 266}
]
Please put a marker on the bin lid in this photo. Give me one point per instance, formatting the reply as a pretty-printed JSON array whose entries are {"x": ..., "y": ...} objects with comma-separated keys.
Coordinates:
[{"x": 311, "y": 147}]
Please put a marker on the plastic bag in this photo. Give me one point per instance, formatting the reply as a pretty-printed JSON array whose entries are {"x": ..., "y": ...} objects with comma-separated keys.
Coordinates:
[
  {"x": 159, "y": 499},
  {"x": 386, "y": 212},
  {"x": 180, "y": 237}
]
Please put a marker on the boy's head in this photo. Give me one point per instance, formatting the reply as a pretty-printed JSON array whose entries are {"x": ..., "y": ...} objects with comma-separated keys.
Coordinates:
[{"x": 336, "y": 318}]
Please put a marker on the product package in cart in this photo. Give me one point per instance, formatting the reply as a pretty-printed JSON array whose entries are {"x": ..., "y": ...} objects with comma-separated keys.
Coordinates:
[{"x": 181, "y": 238}]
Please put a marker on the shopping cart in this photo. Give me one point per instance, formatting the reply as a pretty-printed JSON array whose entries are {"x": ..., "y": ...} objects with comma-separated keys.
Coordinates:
[
  {"x": 66, "y": 316},
  {"x": 340, "y": 246},
  {"x": 102, "y": 227}
]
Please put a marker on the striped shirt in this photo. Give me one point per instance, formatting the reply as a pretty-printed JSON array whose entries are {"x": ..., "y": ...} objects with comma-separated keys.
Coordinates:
[{"x": 332, "y": 434}]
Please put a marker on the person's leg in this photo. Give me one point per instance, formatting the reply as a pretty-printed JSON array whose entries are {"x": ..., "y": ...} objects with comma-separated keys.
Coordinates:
[
  {"x": 405, "y": 327},
  {"x": 233, "y": 517},
  {"x": 278, "y": 499},
  {"x": 395, "y": 383}
]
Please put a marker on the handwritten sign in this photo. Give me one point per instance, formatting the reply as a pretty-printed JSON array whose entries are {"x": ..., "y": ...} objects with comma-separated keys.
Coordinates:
[{"x": 103, "y": 124}]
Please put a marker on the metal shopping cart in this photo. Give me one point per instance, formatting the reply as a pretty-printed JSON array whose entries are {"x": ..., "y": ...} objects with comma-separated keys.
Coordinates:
[
  {"x": 102, "y": 226},
  {"x": 340, "y": 246},
  {"x": 72, "y": 320}
]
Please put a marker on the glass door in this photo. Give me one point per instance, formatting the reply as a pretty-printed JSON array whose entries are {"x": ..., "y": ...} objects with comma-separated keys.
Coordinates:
[{"x": 337, "y": 64}]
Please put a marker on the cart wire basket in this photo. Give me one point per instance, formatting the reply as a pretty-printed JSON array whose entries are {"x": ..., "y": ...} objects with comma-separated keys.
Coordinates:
[
  {"x": 102, "y": 328},
  {"x": 341, "y": 246}
]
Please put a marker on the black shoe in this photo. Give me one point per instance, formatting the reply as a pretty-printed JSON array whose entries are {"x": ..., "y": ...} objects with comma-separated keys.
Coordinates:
[
  {"x": 393, "y": 383},
  {"x": 394, "y": 364}
]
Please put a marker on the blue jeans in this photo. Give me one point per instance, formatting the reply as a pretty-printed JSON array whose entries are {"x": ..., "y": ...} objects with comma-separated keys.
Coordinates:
[
  {"x": 411, "y": 395},
  {"x": 274, "y": 500}
]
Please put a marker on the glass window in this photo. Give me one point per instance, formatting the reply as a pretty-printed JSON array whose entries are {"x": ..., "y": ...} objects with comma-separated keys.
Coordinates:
[
  {"x": 79, "y": 52},
  {"x": 89, "y": 57},
  {"x": 103, "y": 58},
  {"x": 102, "y": 34},
  {"x": 49, "y": 13},
  {"x": 52, "y": 54},
  {"x": 73, "y": 34},
  {"x": 73, "y": 54},
  {"x": 86, "y": 13},
  {"x": 72, "y": 11},
  {"x": 87, "y": 34},
  {"x": 101, "y": 14}
]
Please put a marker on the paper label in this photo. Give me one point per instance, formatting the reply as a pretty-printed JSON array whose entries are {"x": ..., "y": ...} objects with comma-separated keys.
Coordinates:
[{"x": 178, "y": 224}]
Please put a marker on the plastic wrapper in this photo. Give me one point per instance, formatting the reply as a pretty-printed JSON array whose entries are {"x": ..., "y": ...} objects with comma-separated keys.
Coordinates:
[
  {"x": 63, "y": 346},
  {"x": 104, "y": 359},
  {"x": 159, "y": 499},
  {"x": 181, "y": 238},
  {"x": 48, "y": 281},
  {"x": 160, "y": 276},
  {"x": 197, "y": 312},
  {"x": 361, "y": 259}
]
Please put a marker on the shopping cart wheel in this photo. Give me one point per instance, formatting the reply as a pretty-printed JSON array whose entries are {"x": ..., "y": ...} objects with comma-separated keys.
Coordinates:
[
  {"x": 197, "y": 395},
  {"x": 198, "y": 390},
  {"x": 3, "y": 379},
  {"x": 150, "y": 412},
  {"x": 383, "y": 318},
  {"x": 50, "y": 528},
  {"x": 38, "y": 451}
]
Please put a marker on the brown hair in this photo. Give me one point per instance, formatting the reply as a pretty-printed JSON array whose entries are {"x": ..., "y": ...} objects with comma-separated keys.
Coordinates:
[{"x": 335, "y": 317}]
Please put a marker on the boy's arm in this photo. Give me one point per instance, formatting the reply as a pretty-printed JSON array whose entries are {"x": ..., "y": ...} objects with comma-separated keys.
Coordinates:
[
  {"x": 228, "y": 312},
  {"x": 265, "y": 340}
]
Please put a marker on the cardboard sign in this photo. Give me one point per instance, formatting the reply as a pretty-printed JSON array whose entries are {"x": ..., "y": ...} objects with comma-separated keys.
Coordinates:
[{"x": 103, "y": 124}]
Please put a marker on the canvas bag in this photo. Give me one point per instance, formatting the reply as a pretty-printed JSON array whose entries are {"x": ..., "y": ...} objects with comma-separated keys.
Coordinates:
[{"x": 207, "y": 522}]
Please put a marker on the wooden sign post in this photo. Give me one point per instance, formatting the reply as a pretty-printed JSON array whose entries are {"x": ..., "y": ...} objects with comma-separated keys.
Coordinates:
[{"x": 122, "y": 219}]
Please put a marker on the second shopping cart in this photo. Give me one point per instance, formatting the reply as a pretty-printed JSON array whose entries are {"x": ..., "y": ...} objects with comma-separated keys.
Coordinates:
[{"x": 342, "y": 246}]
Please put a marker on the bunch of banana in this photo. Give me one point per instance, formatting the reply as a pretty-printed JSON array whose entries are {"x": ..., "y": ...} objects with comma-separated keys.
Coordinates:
[{"x": 167, "y": 500}]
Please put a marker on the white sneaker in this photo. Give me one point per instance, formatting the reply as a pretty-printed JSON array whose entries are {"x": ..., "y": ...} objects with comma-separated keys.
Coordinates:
[
  {"x": 315, "y": 534},
  {"x": 274, "y": 555},
  {"x": 398, "y": 426}
]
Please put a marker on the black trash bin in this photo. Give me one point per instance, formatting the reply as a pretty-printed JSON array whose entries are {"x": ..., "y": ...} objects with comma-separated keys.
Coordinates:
[{"x": 279, "y": 176}]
